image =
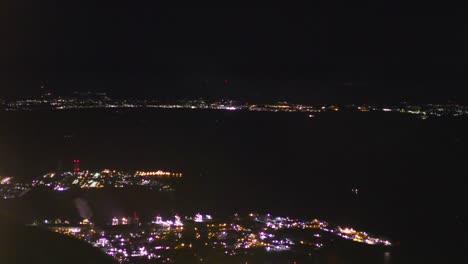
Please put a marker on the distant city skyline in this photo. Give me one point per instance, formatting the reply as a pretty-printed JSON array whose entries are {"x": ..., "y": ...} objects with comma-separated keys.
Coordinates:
[
  {"x": 90, "y": 100},
  {"x": 301, "y": 91}
]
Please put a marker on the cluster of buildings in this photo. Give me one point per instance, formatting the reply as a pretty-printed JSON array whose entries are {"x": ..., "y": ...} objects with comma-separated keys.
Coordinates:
[
  {"x": 10, "y": 188},
  {"x": 92, "y": 101},
  {"x": 155, "y": 180},
  {"x": 421, "y": 110},
  {"x": 106, "y": 178},
  {"x": 159, "y": 173},
  {"x": 201, "y": 237}
]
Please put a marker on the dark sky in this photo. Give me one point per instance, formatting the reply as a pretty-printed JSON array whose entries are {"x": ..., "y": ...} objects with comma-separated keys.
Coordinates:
[{"x": 328, "y": 51}]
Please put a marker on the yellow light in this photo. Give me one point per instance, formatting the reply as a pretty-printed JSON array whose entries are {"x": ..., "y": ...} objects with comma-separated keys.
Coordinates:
[{"x": 348, "y": 231}]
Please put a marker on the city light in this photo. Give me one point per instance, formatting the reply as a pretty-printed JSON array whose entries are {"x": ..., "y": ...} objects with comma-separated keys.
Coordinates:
[
  {"x": 158, "y": 173},
  {"x": 65, "y": 181},
  {"x": 423, "y": 111},
  {"x": 234, "y": 236}
]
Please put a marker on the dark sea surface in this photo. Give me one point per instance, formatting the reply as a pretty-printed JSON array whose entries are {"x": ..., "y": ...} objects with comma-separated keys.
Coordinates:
[{"x": 410, "y": 172}]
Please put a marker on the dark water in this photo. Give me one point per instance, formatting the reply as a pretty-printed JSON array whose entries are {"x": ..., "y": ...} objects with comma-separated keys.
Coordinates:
[{"x": 410, "y": 172}]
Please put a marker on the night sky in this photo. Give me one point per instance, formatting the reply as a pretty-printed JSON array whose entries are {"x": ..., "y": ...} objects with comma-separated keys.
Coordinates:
[{"x": 325, "y": 52}]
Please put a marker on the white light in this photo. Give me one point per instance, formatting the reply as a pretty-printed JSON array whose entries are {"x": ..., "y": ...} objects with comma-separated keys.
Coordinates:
[{"x": 198, "y": 218}]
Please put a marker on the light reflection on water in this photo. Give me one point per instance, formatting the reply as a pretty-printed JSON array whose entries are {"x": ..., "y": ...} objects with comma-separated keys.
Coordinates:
[{"x": 387, "y": 258}]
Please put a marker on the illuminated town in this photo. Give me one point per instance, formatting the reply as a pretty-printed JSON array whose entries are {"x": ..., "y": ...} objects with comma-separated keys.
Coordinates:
[
  {"x": 200, "y": 237},
  {"x": 156, "y": 180},
  {"x": 9, "y": 188},
  {"x": 102, "y": 101}
]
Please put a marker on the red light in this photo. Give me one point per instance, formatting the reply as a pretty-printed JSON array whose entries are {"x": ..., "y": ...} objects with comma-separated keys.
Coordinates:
[{"x": 76, "y": 165}]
